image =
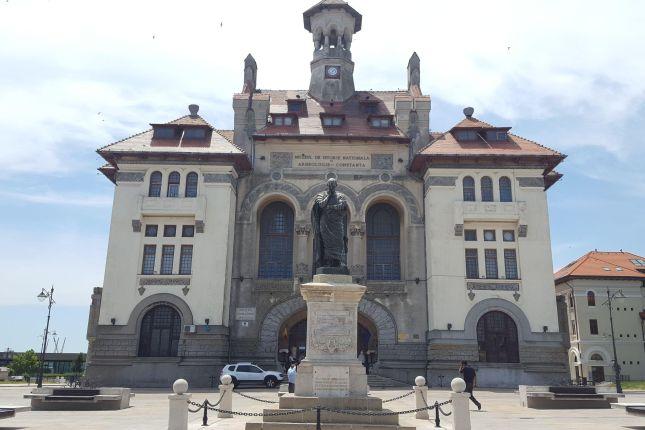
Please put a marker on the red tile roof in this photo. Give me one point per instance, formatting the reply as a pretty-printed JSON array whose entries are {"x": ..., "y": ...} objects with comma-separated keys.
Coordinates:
[{"x": 597, "y": 264}]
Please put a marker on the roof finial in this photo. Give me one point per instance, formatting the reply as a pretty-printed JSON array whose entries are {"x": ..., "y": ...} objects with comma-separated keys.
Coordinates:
[
  {"x": 193, "y": 109},
  {"x": 469, "y": 111}
]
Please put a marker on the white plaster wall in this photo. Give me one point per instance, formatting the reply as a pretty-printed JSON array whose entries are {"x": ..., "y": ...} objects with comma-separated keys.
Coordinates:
[
  {"x": 444, "y": 207},
  {"x": 212, "y": 249}
]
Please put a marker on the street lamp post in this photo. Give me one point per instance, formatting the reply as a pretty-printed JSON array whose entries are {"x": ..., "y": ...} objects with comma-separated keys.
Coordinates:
[
  {"x": 42, "y": 296},
  {"x": 619, "y": 388}
]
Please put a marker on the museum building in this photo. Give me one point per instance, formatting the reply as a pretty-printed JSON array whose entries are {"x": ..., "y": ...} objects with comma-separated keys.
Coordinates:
[{"x": 211, "y": 234}]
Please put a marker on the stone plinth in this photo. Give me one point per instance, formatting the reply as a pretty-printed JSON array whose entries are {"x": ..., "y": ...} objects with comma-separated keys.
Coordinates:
[{"x": 331, "y": 368}]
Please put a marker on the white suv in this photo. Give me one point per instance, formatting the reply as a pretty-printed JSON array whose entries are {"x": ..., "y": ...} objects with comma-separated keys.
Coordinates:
[{"x": 247, "y": 373}]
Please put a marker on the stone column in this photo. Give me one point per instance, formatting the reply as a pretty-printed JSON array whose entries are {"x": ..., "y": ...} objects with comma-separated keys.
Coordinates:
[
  {"x": 357, "y": 244},
  {"x": 421, "y": 396},
  {"x": 302, "y": 250},
  {"x": 460, "y": 410},
  {"x": 226, "y": 393},
  {"x": 178, "y": 408}
]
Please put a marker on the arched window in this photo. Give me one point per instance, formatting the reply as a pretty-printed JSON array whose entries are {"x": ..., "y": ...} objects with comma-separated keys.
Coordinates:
[
  {"x": 159, "y": 334},
  {"x": 596, "y": 357},
  {"x": 469, "y": 189},
  {"x": 383, "y": 243},
  {"x": 487, "y": 189},
  {"x": 276, "y": 242},
  {"x": 191, "y": 185},
  {"x": 497, "y": 338},
  {"x": 591, "y": 298},
  {"x": 505, "y": 193},
  {"x": 154, "y": 189},
  {"x": 173, "y": 185}
]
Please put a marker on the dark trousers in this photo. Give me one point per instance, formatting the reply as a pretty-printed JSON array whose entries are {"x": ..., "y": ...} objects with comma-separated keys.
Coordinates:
[
  {"x": 469, "y": 389},
  {"x": 292, "y": 387}
]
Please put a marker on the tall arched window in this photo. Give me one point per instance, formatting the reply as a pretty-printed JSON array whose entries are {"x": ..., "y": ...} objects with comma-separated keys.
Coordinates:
[
  {"x": 173, "y": 185},
  {"x": 383, "y": 243},
  {"x": 505, "y": 193},
  {"x": 487, "y": 189},
  {"x": 591, "y": 298},
  {"x": 276, "y": 242},
  {"x": 469, "y": 189},
  {"x": 159, "y": 334},
  {"x": 497, "y": 338},
  {"x": 154, "y": 190},
  {"x": 191, "y": 185}
]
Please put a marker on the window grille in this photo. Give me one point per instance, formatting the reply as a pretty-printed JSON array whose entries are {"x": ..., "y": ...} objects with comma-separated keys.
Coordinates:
[
  {"x": 173, "y": 185},
  {"x": 510, "y": 264},
  {"x": 155, "y": 185},
  {"x": 167, "y": 257},
  {"x": 186, "y": 260},
  {"x": 505, "y": 193},
  {"x": 487, "y": 189},
  {"x": 472, "y": 265},
  {"x": 148, "y": 265},
  {"x": 497, "y": 338},
  {"x": 276, "y": 242},
  {"x": 383, "y": 243},
  {"x": 191, "y": 185},
  {"x": 469, "y": 189},
  {"x": 490, "y": 261},
  {"x": 160, "y": 331}
]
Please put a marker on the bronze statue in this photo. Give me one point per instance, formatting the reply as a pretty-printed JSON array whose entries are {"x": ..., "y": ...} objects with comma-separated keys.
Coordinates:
[{"x": 329, "y": 221}]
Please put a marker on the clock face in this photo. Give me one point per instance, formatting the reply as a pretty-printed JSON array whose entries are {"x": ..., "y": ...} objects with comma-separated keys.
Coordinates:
[{"x": 332, "y": 71}]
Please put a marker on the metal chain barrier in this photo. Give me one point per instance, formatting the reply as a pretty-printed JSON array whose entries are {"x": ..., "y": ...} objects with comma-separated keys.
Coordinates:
[
  {"x": 205, "y": 406},
  {"x": 399, "y": 397},
  {"x": 437, "y": 408},
  {"x": 255, "y": 398}
]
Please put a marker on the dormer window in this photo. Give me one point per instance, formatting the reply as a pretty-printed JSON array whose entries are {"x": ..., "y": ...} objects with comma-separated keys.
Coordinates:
[
  {"x": 295, "y": 106},
  {"x": 380, "y": 122},
  {"x": 332, "y": 121},
  {"x": 195, "y": 133},
  {"x": 166, "y": 133},
  {"x": 466, "y": 135},
  {"x": 496, "y": 136},
  {"x": 369, "y": 107},
  {"x": 283, "y": 120}
]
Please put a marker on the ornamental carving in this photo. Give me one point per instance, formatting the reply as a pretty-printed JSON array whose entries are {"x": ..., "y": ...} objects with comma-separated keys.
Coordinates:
[
  {"x": 522, "y": 230},
  {"x": 459, "y": 229},
  {"x": 357, "y": 230},
  {"x": 331, "y": 344},
  {"x": 303, "y": 229},
  {"x": 136, "y": 225},
  {"x": 382, "y": 161},
  {"x": 281, "y": 160},
  {"x": 302, "y": 269}
]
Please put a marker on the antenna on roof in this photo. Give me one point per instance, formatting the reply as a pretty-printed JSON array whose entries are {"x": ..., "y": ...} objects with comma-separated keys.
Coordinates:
[
  {"x": 469, "y": 112},
  {"x": 193, "y": 109}
]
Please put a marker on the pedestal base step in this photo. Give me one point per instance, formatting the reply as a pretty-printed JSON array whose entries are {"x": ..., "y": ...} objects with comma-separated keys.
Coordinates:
[
  {"x": 325, "y": 426},
  {"x": 330, "y": 417},
  {"x": 291, "y": 401}
]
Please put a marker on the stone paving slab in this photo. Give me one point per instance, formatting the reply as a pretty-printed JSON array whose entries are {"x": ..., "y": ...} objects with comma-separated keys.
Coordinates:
[{"x": 149, "y": 410}]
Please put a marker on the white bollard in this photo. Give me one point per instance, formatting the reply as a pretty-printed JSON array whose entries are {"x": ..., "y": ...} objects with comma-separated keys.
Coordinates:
[
  {"x": 178, "y": 411},
  {"x": 460, "y": 410},
  {"x": 421, "y": 395},
  {"x": 226, "y": 393}
]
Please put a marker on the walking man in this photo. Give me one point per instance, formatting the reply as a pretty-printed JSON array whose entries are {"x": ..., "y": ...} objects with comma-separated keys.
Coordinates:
[
  {"x": 291, "y": 377},
  {"x": 470, "y": 377}
]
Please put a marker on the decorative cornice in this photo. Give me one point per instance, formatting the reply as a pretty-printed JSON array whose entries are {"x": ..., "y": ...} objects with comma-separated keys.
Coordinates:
[
  {"x": 494, "y": 286},
  {"x": 170, "y": 280}
]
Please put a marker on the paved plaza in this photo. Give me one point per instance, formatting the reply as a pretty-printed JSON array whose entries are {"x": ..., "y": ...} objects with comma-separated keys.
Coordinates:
[{"x": 149, "y": 410}]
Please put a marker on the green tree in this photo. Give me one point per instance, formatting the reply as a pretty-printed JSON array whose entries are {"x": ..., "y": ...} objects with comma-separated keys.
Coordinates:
[
  {"x": 26, "y": 363},
  {"x": 78, "y": 363}
]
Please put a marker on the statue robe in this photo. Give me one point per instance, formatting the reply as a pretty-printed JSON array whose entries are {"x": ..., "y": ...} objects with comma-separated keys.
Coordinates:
[{"x": 329, "y": 222}]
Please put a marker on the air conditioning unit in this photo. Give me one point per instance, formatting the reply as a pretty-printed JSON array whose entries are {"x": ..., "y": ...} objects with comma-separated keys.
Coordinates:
[{"x": 190, "y": 328}]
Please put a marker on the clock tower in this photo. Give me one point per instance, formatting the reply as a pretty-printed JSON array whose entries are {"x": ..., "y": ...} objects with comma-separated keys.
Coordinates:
[{"x": 332, "y": 24}]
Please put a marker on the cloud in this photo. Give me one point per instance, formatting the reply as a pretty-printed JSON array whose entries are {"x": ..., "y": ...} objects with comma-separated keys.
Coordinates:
[{"x": 54, "y": 198}]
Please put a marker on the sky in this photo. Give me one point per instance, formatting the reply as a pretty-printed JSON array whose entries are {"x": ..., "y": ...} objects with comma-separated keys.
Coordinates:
[{"x": 77, "y": 75}]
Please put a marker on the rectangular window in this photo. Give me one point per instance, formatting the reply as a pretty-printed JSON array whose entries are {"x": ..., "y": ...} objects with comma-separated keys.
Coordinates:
[
  {"x": 369, "y": 108},
  {"x": 472, "y": 266},
  {"x": 165, "y": 133},
  {"x": 167, "y": 257},
  {"x": 490, "y": 260},
  {"x": 470, "y": 235},
  {"x": 496, "y": 135},
  {"x": 489, "y": 235},
  {"x": 188, "y": 231},
  {"x": 508, "y": 236},
  {"x": 332, "y": 121},
  {"x": 295, "y": 106},
  {"x": 510, "y": 264},
  {"x": 151, "y": 230},
  {"x": 186, "y": 259},
  {"x": 195, "y": 133},
  {"x": 380, "y": 122},
  {"x": 148, "y": 265},
  {"x": 169, "y": 230},
  {"x": 593, "y": 326},
  {"x": 283, "y": 120},
  {"x": 466, "y": 135}
]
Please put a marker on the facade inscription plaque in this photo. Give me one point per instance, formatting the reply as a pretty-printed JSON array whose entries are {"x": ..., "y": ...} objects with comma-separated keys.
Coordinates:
[{"x": 305, "y": 160}]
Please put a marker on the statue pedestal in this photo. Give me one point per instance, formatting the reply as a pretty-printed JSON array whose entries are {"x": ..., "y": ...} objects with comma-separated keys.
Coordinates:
[{"x": 331, "y": 368}]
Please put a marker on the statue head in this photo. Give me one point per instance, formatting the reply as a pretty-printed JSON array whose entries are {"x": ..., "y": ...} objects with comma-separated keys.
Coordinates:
[{"x": 331, "y": 185}]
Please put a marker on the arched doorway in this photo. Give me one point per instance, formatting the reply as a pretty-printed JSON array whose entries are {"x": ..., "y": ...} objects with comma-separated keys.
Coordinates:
[{"x": 292, "y": 338}]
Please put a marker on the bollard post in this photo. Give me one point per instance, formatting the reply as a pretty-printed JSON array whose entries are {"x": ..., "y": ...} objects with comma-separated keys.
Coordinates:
[
  {"x": 178, "y": 408},
  {"x": 226, "y": 393},
  {"x": 460, "y": 410},
  {"x": 205, "y": 415},
  {"x": 421, "y": 395}
]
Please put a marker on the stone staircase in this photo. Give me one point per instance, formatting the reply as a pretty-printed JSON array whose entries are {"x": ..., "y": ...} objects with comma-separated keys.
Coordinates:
[{"x": 378, "y": 382}]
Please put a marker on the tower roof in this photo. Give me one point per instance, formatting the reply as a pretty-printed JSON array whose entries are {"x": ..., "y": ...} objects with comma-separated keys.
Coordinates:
[{"x": 332, "y": 4}]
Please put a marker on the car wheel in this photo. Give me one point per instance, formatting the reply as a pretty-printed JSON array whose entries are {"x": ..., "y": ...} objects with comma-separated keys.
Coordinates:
[{"x": 271, "y": 382}]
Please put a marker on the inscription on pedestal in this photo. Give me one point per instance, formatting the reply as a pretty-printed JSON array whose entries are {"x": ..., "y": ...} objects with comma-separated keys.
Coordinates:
[
  {"x": 331, "y": 380},
  {"x": 332, "y": 330}
]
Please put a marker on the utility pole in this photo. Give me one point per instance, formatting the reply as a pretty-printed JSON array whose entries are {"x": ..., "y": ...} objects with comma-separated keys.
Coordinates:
[{"x": 619, "y": 388}]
